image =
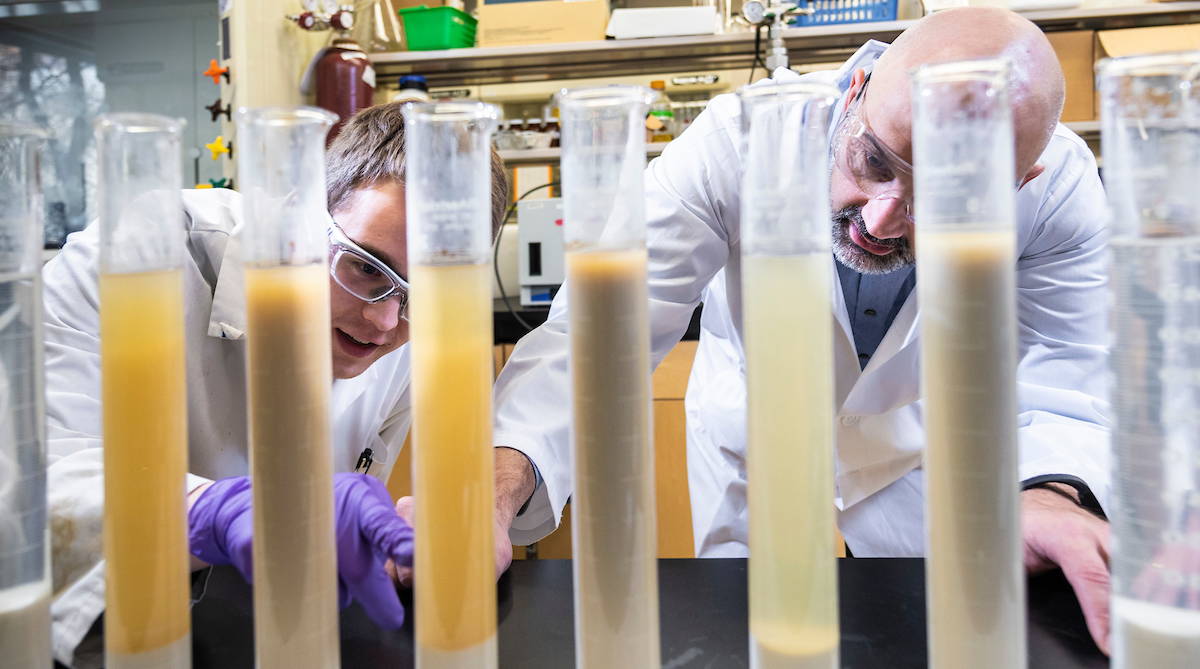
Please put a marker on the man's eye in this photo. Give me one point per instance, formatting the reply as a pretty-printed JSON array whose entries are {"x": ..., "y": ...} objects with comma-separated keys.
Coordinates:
[
  {"x": 368, "y": 269},
  {"x": 876, "y": 168}
]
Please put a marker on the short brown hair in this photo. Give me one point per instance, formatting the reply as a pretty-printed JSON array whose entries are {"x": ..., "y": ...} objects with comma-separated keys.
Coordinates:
[{"x": 370, "y": 149}]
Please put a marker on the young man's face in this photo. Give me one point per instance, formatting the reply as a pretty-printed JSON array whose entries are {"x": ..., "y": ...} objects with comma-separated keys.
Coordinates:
[{"x": 362, "y": 332}]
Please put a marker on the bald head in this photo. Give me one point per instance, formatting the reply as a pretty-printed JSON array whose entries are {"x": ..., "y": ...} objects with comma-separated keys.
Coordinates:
[{"x": 1037, "y": 89}]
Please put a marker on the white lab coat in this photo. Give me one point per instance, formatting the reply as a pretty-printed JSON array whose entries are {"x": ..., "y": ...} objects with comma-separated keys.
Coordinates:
[
  {"x": 371, "y": 410},
  {"x": 693, "y": 234}
]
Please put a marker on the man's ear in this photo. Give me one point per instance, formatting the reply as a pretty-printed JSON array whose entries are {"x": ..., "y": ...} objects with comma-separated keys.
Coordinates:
[
  {"x": 856, "y": 82},
  {"x": 1032, "y": 174}
]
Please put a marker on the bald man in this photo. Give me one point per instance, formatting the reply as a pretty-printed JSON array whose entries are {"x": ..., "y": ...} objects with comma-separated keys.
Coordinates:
[{"x": 692, "y": 211}]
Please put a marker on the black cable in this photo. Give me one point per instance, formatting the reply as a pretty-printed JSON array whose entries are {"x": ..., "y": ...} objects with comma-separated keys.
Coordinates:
[
  {"x": 496, "y": 253},
  {"x": 757, "y": 52}
]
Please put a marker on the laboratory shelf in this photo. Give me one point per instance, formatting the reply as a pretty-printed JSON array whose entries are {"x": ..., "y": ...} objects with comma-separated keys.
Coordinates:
[
  {"x": 611, "y": 58},
  {"x": 1085, "y": 129},
  {"x": 1088, "y": 130},
  {"x": 549, "y": 156}
]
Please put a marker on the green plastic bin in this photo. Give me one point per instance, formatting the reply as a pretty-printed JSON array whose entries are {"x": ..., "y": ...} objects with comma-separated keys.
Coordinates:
[{"x": 427, "y": 29}]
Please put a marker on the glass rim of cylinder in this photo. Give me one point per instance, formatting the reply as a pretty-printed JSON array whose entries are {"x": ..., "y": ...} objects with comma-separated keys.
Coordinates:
[
  {"x": 137, "y": 123},
  {"x": 21, "y": 130},
  {"x": 1184, "y": 64},
  {"x": 604, "y": 96},
  {"x": 450, "y": 112},
  {"x": 285, "y": 115},
  {"x": 961, "y": 70},
  {"x": 792, "y": 91}
]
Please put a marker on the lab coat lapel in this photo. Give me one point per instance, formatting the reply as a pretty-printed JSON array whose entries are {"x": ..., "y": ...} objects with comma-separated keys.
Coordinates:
[
  {"x": 227, "y": 320},
  {"x": 845, "y": 355},
  {"x": 891, "y": 378},
  {"x": 347, "y": 391}
]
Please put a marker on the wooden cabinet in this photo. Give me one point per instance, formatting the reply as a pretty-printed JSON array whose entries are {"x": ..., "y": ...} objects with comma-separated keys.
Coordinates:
[
  {"x": 670, "y": 462},
  {"x": 670, "y": 465}
]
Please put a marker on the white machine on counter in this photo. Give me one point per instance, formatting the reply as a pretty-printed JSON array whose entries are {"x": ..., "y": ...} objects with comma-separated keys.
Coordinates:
[{"x": 540, "y": 250}]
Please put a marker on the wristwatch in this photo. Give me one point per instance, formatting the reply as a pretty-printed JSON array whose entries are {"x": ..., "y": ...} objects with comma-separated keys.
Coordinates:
[{"x": 1086, "y": 500}]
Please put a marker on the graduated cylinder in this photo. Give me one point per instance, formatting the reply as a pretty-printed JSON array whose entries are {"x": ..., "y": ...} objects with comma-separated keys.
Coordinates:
[
  {"x": 787, "y": 325},
  {"x": 614, "y": 534},
  {"x": 964, "y": 180},
  {"x": 449, "y": 205},
  {"x": 24, "y": 549},
  {"x": 1150, "y": 117},
  {"x": 281, "y": 166},
  {"x": 147, "y": 621}
]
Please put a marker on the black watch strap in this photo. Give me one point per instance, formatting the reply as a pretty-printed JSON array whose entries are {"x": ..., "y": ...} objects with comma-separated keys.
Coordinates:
[{"x": 1087, "y": 500}]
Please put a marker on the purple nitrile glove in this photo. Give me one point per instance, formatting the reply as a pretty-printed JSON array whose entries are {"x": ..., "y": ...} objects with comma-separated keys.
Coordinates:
[
  {"x": 221, "y": 525},
  {"x": 368, "y": 532}
]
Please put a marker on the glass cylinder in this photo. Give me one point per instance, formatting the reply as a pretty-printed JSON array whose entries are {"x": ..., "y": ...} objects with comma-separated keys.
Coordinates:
[
  {"x": 614, "y": 536},
  {"x": 24, "y": 547},
  {"x": 1150, "y": 124},
  {"x": 281, "y": 167},
  {"x": 449, "y": 209},
  {"x": 147, "y": 621},
  {"x": 965, "y": 187},
  {"x": 787, "y": 326}
]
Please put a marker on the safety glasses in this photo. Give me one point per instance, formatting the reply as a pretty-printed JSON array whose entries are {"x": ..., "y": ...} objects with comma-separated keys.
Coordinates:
[
  {"x": 867, "y": 162},
  {"x": 362, "y": 274}
]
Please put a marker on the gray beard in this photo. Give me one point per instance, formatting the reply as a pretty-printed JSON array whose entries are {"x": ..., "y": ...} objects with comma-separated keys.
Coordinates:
[{"x": 859, "y": 259}]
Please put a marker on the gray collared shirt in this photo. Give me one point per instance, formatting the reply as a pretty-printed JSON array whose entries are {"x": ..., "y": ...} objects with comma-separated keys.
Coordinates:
[{"x": 873, "y": 300}]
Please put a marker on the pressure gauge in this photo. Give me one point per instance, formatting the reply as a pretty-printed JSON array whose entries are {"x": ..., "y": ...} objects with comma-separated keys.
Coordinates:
[
  {"x": 329, "y": 7},
  {"x": 754, "y": 11},
  {"x": 310, "y": 5},
  {"x": 342, "y": 20}
]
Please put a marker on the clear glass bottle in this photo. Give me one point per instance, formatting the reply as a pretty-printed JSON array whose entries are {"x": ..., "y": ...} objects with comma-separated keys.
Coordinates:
[{"x": 385, "y": 28}]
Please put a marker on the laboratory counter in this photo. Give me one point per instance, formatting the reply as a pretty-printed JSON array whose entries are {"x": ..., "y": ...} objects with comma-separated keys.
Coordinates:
[{"x": 703, "y": 612}]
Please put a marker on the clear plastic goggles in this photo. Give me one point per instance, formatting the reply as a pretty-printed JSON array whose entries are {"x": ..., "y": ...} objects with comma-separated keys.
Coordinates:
[
  {"x": 362, "y": 274},
  {"x": 867, "y": 162}
]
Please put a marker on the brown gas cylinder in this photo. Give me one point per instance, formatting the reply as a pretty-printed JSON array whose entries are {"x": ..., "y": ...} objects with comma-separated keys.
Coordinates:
[{"x": 345, "y": 82}]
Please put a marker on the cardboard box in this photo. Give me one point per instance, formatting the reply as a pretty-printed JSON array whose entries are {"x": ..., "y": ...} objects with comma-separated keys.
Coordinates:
[
  {"x": 406, "y": 4},
  {"x": 1075, "y": 54},
  {"x": 1159, "y": 39},
  {"x": 1079, "y": 51},
  {"x": 521, "y": 22},
  {"x": 1140, "y": 41}
]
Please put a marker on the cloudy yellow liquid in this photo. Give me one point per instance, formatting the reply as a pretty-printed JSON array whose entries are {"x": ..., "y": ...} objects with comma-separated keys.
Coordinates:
[
  {"x": 144, "y": 400},
  {"x": 291, "y": 463},
  {"x": 789, "y": 404},
  {"x": 453, "y": 470},
  {"x": 975, "y": 582},
  {"x": 614, "y": 535},
  {"x": 1154, "y": 636},
  {"x": 25, "y": 626}
]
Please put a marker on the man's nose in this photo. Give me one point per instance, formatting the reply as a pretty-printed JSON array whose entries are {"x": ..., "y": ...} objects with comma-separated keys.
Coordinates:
[
  {"x": 886, "y": 218},
  {"x": 384, "y": 314}
]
